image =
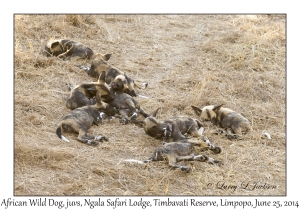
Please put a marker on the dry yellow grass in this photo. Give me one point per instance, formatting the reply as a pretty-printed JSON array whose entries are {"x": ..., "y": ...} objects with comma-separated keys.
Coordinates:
[{"x": 237, "y": 60}]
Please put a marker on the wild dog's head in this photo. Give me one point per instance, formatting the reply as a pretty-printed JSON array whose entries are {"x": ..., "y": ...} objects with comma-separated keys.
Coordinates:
[
  {"x": 98, "y": 64},
  {"x": 156, "y": 129},
  {"x": 54, "y": 47},
  {"x": 104, "y": 107},
  {"x": 209, "y": 113},
  {"x": 120, "y": 83}
]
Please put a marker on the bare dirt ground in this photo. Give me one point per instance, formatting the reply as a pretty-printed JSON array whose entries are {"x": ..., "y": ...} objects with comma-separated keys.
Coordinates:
[{"x": 235, "y": 60}]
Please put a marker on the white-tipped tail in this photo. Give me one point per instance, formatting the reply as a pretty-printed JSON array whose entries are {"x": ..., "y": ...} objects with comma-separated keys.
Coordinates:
[
  {"x": 85, "y": 68},
  {"x": 201, "y": 130},
  {"x": 142, "y": 96},
  {"x": 64, "y": 138},
  {"x": 145, "y": 84},
  {"x": 135, "y": 161},
  {"x": 267, "y": 135}
]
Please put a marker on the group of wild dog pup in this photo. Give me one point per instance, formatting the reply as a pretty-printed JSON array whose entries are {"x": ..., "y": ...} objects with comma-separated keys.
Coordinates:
[{"x": 113, "y": 96}]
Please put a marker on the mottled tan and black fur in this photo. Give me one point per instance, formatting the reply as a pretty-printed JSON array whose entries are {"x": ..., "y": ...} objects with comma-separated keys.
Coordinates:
[
  {"x": 179, "y": 151},
  {"x": 66, "y": 49},
  {"x": 225, "y": 118},
  {"x": 174, "y": 128},
  {"x": 162, "y": 129},
  {"x": 81, "y": 119},
  {"x": 84, "y": 94},
  {"x": 118, "y": 79},
  {"x": 127, "y": 106}
]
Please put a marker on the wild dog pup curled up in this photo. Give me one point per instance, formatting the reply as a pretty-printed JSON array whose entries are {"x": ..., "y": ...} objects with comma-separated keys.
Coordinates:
[
  {"x": 83, "y": 94},
  {"x": 225, "y": 118},
  {"x": 118, "y": 79},
  {"x": 81, "y": 119},
  {"x": 66, "y": 49},
  {"x": 178, "y": 151},
  {"x": 127, "y": 106},
  {"x": 172, "y": 129}
]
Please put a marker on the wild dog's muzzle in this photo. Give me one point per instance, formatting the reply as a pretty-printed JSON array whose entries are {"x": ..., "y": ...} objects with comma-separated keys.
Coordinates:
[
  {"x": 167, "y": 132},
  {"x": 100, "y": 118}
]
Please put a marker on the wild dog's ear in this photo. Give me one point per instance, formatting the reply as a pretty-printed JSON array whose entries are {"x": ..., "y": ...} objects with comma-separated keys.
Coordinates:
[
  {"x": 197, "y": 110},
  {"x": 54, "y": 45},
  {"x": 126, "y": 77},
  {"x": 217, "y": 108},
  {"x": 154, "y": 113},
  {"x": 106, "y": 57},
  {"x": 97, "y": 55},
  {"x": 102, "y": 77}
]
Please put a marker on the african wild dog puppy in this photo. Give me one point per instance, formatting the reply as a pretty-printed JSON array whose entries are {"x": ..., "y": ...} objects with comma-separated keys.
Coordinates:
[
  {"x": 118, "y": 80},
  {"x": 83, "y": 94},
  {"x": 67, "y": 49},
  {"x": 225, "y": 118},
  {"x": 172, "y": 129},
  {"x": 127, "y": 106},
  {"x": 179, "y": 151},
  {"x": 81, "y": 119}
]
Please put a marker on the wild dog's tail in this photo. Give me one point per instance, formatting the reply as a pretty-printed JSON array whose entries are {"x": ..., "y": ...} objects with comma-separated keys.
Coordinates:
[
  {"x": 140, "y": 86},
  {"x": 142, "y": 96},
  {"x": 58, "y": 133},
  {"x": 137, "y": 161},
  {"x": 85, "y": 68}
]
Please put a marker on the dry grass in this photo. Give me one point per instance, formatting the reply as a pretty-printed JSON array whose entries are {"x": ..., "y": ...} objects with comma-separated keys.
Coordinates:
[{"x": 237, "y": 60}]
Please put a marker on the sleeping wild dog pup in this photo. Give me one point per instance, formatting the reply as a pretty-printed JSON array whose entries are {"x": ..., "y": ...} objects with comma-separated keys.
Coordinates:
[
  {"x": 225, "y": 118},
  {"x": 83, "y": 94},
  {"x": 172, "y": 129},
  {"x": 118, "y": 79},
  {"x": 66, "y": 49},
  {"x": 179, "y": 151},
  {"x": 81, "y": 119},
  {"x": 127, "y": 106}
]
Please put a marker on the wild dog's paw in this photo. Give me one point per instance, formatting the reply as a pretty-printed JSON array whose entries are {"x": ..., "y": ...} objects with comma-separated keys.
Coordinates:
[
  {"x": 92, "y": 143},
  {"x": 100, "y": 138},
  {"x": 218, "y": 162},
  {"x": 124, "y": 121},
  {"x": 213, "y": 161},
  {"x": 134, "y": 116},
  {"x": 217, "y": 150},
  {"x": 144, "y": 85},
  {"x": 185, "y": 168},
  {"x": 104, "y": 138},
  {"x": 201, "y": 158}
]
